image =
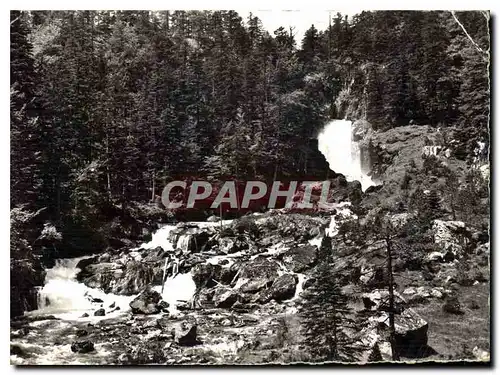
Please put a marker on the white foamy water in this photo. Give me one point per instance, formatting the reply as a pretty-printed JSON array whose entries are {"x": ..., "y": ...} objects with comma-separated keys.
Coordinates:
[
  {"x": 181, "y": 287},
  {"x": 66, "y": 298},
  {"x": 300, "y": 286},
  {"x": 183, "y": 242},
  {"x": 160, "y": 238},
  {"x": 344, "y": 213},
  {"x": 342, "y": 153}
]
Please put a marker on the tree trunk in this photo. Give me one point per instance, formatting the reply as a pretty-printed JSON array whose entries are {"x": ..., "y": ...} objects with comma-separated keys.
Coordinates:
[
  {"x": 153, "y": 187},
  {"x": 108, "y": 175}
]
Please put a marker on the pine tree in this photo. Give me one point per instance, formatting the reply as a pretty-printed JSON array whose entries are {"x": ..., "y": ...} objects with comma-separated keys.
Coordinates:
[
  {"x": 26, "y": 131},
  {"x": 327, "y": 320}
]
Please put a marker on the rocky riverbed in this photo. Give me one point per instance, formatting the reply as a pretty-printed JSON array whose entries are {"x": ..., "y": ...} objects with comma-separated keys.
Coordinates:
[{"x": 231, "y": 296}]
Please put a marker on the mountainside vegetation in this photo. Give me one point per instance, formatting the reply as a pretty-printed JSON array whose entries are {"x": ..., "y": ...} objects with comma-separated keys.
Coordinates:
[{"x": 107, "y": 107}]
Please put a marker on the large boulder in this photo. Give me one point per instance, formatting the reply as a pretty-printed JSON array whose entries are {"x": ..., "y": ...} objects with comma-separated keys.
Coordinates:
[
  {"x": 99, "y": 275},
  {"x": 230, "y": 245},
  {"x": 227, "y": 245},
  {"x": 100, "y": 312},
  {"x": 185, "y": 334},
  {"x": 82, "y": 347},
  {"x": 411, "y": 331},
  {"x": 82, "y": 265},
  {"x": 422, "y": 293},
  {"x": 136, "y": 276},
  {"x": 203, "y": 274},
  {"x": 300, "y": 258},
  {"x": 125, "y": 274},
  {"x": 452, "y": 305},
  {"x": 282, "y": 289},
  {"x": 207, "y": 275},
  {"x": 257, "y": 274},
  {"x": 451, "y": 236},
  {"x": 224, "y": 297},
  {"x": 148, "y": 302}
]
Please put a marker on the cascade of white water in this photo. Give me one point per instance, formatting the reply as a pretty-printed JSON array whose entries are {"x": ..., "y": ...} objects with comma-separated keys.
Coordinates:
[
  {"x": 160, "y": 238},
  {"x": 177, "y": 287},
  {"x": 183, "y": 242},
  {"x": 67, "y": 298},
  {"x": 336, "y": 143}
]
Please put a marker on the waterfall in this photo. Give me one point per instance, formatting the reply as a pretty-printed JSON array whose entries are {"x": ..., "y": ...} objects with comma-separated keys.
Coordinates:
[
  {"x": 160, "y": 238},
  {"x": 65, "y": 297},
  {"x": 183, "y": 242},
  {"x": 343, "y": 155},
  {"x": 177, "y": 287}
]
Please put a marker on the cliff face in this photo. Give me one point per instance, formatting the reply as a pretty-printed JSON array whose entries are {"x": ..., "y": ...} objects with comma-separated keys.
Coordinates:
[
  {"x": 386, "y": 154},
  {"x": 405, "y": 159}
]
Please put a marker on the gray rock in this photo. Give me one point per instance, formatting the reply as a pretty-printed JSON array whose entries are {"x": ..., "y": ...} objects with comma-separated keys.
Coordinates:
[
  {"x": 203, "y": 274},
  {"x": 81, "y": 332},
  {"x": 185, "y": 334},
  {"x": 451, "y": 237},
  {"x": 452, "y": 305},
  {"x": 423, "y": 293},
  {"x": 378, "y": 300},
  {"x": 282, "y": 289},
  {"x": 16, "y": 350},
  {"x": 480, "y": 354},
  {"x": 300, "y": 258},
  {"x": 257, "y": 274},
  {"x": 82, "y": 347},
  {"x": 224, "y": 297},
  {"x": 411, "y": 331},
  {"x": 100, "y": 312},
  {"x": 148, "y": 302}
]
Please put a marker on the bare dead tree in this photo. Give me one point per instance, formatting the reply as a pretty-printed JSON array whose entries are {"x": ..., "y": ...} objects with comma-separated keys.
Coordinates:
[{"x": 468, "y": 35}]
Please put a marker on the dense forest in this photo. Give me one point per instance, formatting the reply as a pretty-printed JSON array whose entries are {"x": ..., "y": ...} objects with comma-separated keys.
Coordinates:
[{"x": 109, "y": 105}]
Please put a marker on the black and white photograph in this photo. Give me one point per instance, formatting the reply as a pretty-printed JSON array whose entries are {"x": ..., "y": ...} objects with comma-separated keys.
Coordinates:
[{"x": 250, "y": 187}]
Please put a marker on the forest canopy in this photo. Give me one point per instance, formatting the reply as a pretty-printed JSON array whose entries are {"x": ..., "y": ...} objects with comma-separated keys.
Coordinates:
[{"x": 110, "y": 105}]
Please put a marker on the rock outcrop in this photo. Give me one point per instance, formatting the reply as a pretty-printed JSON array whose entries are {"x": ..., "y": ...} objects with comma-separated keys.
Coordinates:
[
  {"x": 148, "y": 302},
  {"x": 282, "y": 289},
  {"x": 185, "y": 334},
  {"x": 257, "y": 274},
  {"x": 300, "y": 258},
  {"x": 451, "y": 237}
]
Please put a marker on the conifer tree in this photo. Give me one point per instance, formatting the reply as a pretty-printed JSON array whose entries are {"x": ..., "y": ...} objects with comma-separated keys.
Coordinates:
[{"x": 328, "y": 323}]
